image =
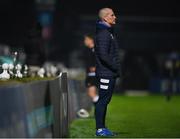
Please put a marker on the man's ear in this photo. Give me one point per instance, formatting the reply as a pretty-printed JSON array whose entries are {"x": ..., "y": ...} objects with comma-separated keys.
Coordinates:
[{"x": 105, "y": 19}]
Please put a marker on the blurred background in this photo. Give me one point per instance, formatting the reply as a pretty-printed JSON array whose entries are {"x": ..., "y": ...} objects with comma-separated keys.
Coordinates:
[{"x": 52, "y": 31}]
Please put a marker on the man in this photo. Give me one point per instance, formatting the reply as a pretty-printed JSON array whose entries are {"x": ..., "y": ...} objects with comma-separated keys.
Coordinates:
[
  {"x": 107, "y": 66},
  {"x": 89, "y": 56},
  {"x": 91, "y": 81}
]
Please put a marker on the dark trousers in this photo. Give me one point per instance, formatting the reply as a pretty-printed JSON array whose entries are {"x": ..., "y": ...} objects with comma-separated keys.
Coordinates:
[{"x": 105, "y": 86}]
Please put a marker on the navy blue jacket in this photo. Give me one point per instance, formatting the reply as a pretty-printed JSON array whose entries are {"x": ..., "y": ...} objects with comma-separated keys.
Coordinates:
[{"x": 106, "y": 51}]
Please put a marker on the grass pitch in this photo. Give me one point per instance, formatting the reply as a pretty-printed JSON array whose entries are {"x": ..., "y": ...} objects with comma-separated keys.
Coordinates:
[{"x": 138, "y": 116}]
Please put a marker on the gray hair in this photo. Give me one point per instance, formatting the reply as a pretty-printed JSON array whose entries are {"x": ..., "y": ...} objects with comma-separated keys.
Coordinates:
[{"x": 104, "y": 12}]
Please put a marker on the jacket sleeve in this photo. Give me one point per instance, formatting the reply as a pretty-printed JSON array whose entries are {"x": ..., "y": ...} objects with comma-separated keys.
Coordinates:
[{"x": 102, "y": 46}]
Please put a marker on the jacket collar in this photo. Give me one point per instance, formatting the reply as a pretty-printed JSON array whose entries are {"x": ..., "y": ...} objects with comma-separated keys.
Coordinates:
[{"x": 100, "y": 25}]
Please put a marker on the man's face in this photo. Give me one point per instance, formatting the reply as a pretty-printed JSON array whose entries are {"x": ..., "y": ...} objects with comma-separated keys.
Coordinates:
[
  {"x": 88, "y": 42},
  {"x": 110, "y": 18}
]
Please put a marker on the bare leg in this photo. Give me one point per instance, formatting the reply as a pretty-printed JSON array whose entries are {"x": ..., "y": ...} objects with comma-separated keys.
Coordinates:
[{"x": 92, "y": 92}]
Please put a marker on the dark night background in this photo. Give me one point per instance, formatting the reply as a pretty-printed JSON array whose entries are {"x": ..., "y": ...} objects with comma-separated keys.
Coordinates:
[
  {"x": 146, "y": 29},
  {"x": 151, "y": 24}
]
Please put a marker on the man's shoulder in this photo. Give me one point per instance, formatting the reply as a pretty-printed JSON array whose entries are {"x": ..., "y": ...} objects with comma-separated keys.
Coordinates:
[{"x": 103, "y": 33}]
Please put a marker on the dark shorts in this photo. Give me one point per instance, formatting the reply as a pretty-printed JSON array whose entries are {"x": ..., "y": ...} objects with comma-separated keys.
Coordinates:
[{"x": 91, "y": 81}]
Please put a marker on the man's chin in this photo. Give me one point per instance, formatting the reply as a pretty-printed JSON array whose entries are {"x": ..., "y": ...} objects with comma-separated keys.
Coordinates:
[{"x": 114, "y": 22}]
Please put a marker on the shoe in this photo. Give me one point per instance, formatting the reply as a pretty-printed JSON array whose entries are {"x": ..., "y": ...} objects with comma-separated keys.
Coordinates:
[
  {"x": 104, "y": 132},
  {"x": 82, "y": 113}
]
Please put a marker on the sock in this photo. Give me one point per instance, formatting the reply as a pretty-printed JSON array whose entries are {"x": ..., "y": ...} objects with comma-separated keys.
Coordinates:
[
  {"x": 99, "y": 129},
  {"x": 95, "y": 99}
]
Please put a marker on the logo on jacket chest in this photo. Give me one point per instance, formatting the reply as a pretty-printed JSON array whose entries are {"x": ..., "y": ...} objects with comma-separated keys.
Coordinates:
[{"x": 112, "y": 36}]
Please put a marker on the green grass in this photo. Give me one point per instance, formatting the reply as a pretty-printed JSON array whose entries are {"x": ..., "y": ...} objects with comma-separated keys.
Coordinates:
[{"x": 143, "y": 116}]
